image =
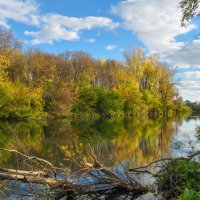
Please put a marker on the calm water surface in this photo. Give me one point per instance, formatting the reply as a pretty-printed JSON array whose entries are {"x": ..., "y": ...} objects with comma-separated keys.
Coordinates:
[{"x": 136, "y": 142}]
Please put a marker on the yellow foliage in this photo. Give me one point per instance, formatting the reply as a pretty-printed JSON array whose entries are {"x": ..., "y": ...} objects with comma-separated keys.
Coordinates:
[{"x": 4, "y": 62}]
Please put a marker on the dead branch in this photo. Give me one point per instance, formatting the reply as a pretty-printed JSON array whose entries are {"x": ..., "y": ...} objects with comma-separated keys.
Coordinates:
[
  {"x": 101, "y": 175},
  {"x": 193, "y": 154},
  {"x": 139, "y": 169},
  {"x": 23, "y": 172},
  {"x": 93, "y": 177},
  {"x": 28, "y": 178},
  {"x": 143, "y": 169},
  {"x": 33, "y": 158}
]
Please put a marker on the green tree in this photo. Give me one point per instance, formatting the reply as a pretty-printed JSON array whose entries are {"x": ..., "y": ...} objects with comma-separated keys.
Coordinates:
[
  {"x": 86, "y": 101},
  {"x": 110, "y": 103}
]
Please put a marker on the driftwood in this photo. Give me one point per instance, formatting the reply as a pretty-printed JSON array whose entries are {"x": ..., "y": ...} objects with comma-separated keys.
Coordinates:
[
  {"x": 27, "y": 178},
  {"x": 22, "y": 172},
  {"x": 91, "y": 177}
]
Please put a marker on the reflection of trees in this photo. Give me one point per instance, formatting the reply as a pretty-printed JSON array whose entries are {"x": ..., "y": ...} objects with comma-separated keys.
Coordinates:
[
  {"x": 135, "y": 140},
  {"x": 144, "y": 142},
  {"x": 30, "y": 135},
  {"x": 192, "y": 118},
  {"x": 38, "y": 138},
  {"x": 92, "y": 130}
]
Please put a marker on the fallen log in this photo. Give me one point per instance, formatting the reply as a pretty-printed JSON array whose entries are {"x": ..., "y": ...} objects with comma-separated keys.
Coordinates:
[
  {"x": 91, "y": 177},
  {"x": 23, "y": 172},
  {"x": 97, "y": 178},
  {"x": 28, "y": 179}
]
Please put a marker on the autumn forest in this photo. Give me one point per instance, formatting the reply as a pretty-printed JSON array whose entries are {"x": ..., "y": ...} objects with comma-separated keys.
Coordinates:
[{"x": 37, "y": 84}]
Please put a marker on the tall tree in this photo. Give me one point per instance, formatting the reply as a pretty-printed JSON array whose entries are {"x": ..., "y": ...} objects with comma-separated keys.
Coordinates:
[{"x": 8, "y": 43}]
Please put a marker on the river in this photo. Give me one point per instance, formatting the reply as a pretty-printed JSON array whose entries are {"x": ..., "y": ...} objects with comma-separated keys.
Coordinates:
[{"x": 131, "y": 141}]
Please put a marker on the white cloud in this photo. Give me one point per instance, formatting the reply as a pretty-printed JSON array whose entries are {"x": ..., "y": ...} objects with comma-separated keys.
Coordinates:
[
  {"x": 155, "y": 22},
  {"x": 90, "y": 40},
  {"x": 190, "y": 89},
  {"x": 110, "y": 47},
  {"x": 49, "y": 34},
  {"x": 57, "y": 27},
  {"x": 51, "y": 26},
  {"x": 192, "y": 75},
  {"x": 25, "y": 11},
  {"x": 77, "y": 24},
  {"x": 192, "y": 85},
  {"x": 187, "y": 56}
]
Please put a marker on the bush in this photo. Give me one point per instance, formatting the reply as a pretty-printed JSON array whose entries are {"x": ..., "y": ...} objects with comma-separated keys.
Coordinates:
[
  {"x": 86, "y": 101},
  {"x": 189, "y": 195},
  {"x": 100, "y": 101},
  {"x": 110, "y": 103},
  {"x": 179, "y": 175}
]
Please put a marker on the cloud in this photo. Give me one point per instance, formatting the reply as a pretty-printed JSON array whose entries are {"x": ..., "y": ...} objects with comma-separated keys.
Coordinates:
[
  {"x": 191, "y": 85},
  {"x": 110, "y": 47},
  {"x": 187, "y": 56},
  {"x": 51, "y": 26},
  {"x": 190, "y": 89},
  {"x": 55, "y": 27},
  {"x": 25, "y": 11},
  {"x": 155, "y": 22},
  {"x": 90, "y": 40},
  {"x": 192, "y": 75}
]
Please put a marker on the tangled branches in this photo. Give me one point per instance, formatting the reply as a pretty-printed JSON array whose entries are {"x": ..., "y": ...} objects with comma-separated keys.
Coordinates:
[{"x": 90, "y": 177}]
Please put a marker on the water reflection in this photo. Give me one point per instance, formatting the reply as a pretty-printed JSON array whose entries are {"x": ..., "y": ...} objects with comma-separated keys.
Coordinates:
[{"x": 134, "y": 141}]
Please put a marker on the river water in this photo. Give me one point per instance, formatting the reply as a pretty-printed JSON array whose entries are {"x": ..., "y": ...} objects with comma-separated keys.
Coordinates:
[{"x": 134, "y": 142}]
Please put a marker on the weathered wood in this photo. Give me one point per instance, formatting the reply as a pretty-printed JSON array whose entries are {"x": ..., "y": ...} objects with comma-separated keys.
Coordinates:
[
  {"x": 28, "y": 179},
  {"x": 104, "y": 178},
  {"x": 23, "y": 172}
]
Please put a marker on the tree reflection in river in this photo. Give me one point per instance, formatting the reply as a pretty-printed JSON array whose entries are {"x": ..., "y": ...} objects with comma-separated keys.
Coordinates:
[{"x": 134, "y": 141}]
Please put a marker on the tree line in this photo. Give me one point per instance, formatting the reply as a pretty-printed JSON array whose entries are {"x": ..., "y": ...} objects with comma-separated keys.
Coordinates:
[
  {"x": 194, "y": 106},
  {"x": 34, "y": 83}
]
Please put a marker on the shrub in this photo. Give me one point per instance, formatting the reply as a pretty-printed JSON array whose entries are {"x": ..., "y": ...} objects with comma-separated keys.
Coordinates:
[
  {"x": 99, "y": 100},
  {"x": 178, "y": 175},
  {"x": 86, "y": 101},
  {"x": 110, "y": 103}
]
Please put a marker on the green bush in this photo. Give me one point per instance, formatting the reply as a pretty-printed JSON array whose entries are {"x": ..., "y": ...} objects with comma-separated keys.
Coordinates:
[
  {"x": 99, "y": 100},
  {"x": 86, "y": 101},
  {"x": 178, "y": 175},
  {"x": 189, "y": 194},
  {"x": 110, "y": 103}
]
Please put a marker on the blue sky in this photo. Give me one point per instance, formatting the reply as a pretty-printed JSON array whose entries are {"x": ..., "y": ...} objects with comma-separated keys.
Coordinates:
[{"x": 105, "y": 28}]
